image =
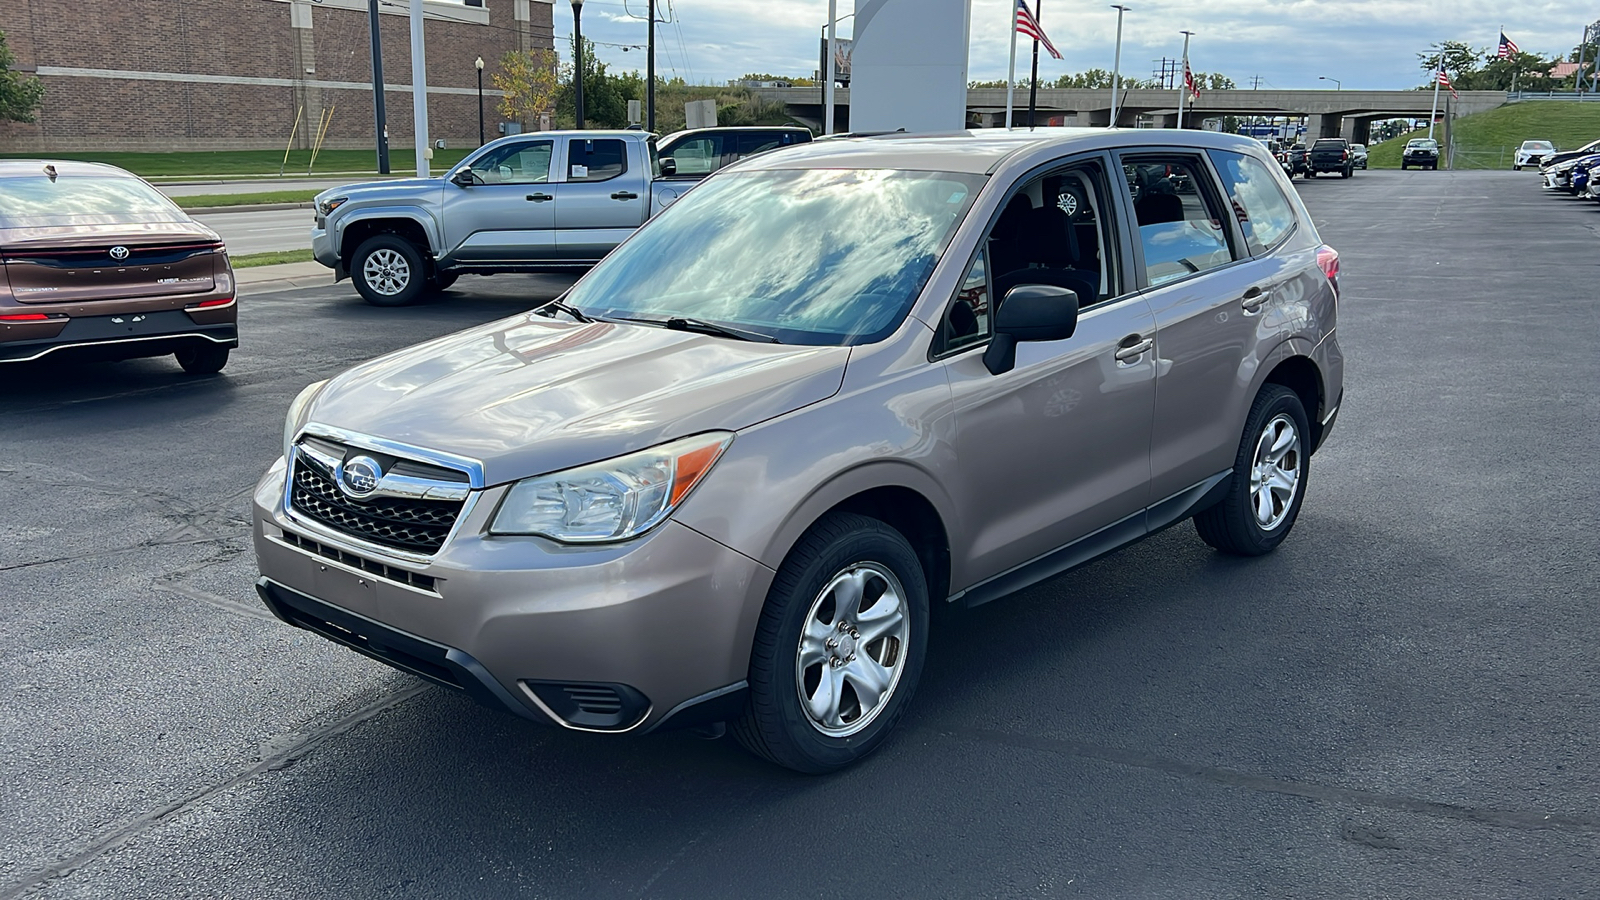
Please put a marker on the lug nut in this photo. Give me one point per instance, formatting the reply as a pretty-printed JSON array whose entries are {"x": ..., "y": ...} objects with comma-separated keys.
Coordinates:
[
  {"x": 835, "y": 663},
  {"x": 832, "y": 643},
  {"x": 852, "y": 658}
]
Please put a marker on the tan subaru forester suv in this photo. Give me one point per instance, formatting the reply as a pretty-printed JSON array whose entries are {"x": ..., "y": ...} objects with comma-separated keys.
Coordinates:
[{"x": 725, "y": 477}]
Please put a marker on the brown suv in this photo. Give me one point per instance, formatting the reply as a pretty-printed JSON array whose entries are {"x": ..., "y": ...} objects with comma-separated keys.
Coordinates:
[
  {"x": 96, "y": 263},
  {"x": 729, "y": 473}
]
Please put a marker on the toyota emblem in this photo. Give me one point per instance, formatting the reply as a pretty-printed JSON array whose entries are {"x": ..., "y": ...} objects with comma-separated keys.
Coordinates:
[
  {"x": 119, "y": 252},
  {"x": 359, "y": 477}
]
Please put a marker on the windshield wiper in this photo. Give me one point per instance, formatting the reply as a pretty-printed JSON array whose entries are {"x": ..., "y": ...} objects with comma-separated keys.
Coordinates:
[
  {"x": 572, "y": 311},
  {"x": 701, "y": 326}
]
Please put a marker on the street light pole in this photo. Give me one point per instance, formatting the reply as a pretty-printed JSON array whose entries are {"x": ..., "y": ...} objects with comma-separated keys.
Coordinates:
[
  {"x": 650, "y": 73},
  {"x": 1337, "y": 84},
  {"x": 1116, "y": 64},
  {"x": 479, "y": 64},
  {"x": 827, "y": 67},
  {"x": 419, "y": 89},
  {"x": 380, "y": 118},
  {"x": 577, "y": 60}
]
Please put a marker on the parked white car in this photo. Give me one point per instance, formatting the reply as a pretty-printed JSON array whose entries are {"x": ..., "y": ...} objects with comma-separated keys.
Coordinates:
[{"x": 1532, "y": 153}]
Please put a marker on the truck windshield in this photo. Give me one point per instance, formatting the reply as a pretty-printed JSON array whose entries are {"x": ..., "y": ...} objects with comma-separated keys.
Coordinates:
[{"x": 813, "y": 256}]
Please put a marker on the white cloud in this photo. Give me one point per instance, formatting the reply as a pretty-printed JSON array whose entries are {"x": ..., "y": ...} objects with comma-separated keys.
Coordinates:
[{"x": 1289, "y": 43}]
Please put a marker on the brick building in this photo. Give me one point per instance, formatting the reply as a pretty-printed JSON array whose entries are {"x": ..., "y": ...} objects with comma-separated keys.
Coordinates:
[{"x": 234, "y": 74}]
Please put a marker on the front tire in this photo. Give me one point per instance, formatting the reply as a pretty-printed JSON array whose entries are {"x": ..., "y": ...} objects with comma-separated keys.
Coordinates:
[
  {"x": 203, "y": 359},
  {"x": 1269, "y": 478},
  {"x": 388, "y": 271},
  {"x": 839, "y": 647}
]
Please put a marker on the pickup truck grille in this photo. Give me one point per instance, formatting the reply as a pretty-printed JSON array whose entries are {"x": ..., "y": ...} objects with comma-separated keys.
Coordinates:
[{"x": 403, "y": 523}]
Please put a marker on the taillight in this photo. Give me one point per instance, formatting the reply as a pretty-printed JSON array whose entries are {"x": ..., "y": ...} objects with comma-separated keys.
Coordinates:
[
  {"x": 26, "y": 317},
  {"x": 1328, "y": 262},
  {"x": 212, "y": 304}
]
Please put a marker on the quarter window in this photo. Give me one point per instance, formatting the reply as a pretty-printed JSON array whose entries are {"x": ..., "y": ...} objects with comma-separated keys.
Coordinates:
[
  {"x": 1265, "y": 214},
  {"x": 596, "y": 160},
  {"x": 1180, "y": 228}
]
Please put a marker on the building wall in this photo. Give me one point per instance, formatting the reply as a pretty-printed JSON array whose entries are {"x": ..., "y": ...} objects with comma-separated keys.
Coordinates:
[{"x": 238, "y": 74}]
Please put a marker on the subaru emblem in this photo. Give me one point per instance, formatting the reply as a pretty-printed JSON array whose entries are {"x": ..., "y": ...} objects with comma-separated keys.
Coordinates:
[
  {"x": 359, "y": 477},
  {"x": 119, "y": 252}
]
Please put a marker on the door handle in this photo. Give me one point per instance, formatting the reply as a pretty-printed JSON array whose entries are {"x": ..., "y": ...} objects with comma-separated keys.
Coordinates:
[
  {"x": 1133, "y": 346},
  {"x": 540, "y": 198},
  {"x": 624, "y": 195},
  {"x": 1254, "y": 298}
]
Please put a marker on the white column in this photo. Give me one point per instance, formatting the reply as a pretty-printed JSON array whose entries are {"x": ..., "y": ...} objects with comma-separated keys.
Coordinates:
[
  {"x": 419, "y": 89},
  {"x": 827, "y": 65}
]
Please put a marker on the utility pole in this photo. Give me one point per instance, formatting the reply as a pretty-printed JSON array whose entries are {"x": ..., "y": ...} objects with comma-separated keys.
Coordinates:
[
  {"x": 380, "y": 120},
  {"x": 419, "y": 89},
  {"x": 1033, "y": 83},
  {"x": 650, "y": 73},
  {"x": 1116, "y": 63},
  {"x": 1255, "y": 82}
]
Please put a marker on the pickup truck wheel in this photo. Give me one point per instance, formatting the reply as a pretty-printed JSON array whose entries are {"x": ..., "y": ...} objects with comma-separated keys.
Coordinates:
[
  {"x": 1269, "y": 478},
  {"x": 1348, "y": 171},
  {"x": 839, "y": 646},
  {"x": 388, "y": 271}
]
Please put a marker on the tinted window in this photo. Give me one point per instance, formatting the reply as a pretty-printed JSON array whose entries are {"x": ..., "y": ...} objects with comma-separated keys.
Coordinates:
[
  {"x": 1180, "y": 228},
  {"x": 524, "y": 162},
  {"x": 824, "y": 256},
  {"x": 597, "y": 160},
  {"x": 698, "y": 156},
  {"x": 757, "y": 142},
  {"x": 40, "y": 201},
  {"x": 1265, "y": 214}
]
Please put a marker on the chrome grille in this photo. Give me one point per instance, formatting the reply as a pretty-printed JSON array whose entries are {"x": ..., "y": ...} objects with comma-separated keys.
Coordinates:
[{"x": 414, "y": 525}]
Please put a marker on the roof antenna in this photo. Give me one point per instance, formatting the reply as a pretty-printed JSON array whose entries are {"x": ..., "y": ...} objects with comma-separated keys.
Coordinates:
[{"x": 50, "y": 171}]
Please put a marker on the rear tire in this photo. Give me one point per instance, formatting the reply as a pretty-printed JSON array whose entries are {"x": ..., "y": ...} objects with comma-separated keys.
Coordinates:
[
  {"x": 203, "y": 359},
  {"x": 388, "y": 271},
  {"x": 822, "y": 696},
  {"x": 1269, "y": 478}
]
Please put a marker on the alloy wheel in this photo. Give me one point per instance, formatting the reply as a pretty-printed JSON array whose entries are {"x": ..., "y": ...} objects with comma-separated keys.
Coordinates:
[
  {"x": 386, "y": 271},
  {"x": 1275, "y": 472},
  {"x": 852, "y": 649}
]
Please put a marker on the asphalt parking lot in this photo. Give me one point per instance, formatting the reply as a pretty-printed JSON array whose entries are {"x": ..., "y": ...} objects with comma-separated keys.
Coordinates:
[{"x": 1400, "y": 702}]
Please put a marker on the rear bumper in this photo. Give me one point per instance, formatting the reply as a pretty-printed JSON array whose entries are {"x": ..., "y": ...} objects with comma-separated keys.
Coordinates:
[{"x": 121, "y": 336}]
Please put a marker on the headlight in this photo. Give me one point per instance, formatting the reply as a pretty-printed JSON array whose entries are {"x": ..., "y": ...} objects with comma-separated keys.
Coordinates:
[
  {"x": 327, "y": 206},
  {"x": 613, "y": 500},
  {"x": 297, "y": 413}
]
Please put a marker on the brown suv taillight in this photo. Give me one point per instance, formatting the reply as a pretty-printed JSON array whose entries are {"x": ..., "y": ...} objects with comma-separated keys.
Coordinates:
[
  {"x": 1328, "y": 261},
  {"x": 212, "y": 304},
  {"x": 25, "y": 317}
]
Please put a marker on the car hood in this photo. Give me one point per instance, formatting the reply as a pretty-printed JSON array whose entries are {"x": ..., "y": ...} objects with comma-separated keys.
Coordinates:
[
  {"x": 529, "y": 395},
  {"x": 392, "y": 187}
]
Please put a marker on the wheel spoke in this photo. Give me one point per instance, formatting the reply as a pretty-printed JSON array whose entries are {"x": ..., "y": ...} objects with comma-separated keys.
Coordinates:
[
  {"x": 1282, "y": 444},
  {"x": 1281, "y": 482},
  {"x": 884, "y": 617},
  {"x": 1263, "y": 506},
  {"x": 824, "y": 701},
  {"x": 847, "y": 594},
  {"x": 870, "y": 680},
  {"x": 814, "y": 644}
]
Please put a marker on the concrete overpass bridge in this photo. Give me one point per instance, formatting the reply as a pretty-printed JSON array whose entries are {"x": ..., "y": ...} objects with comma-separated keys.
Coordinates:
[{"x": 1327, "y": 113}]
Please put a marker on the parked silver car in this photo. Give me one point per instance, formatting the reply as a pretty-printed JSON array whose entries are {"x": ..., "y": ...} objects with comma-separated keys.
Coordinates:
[
  {"x": 531, "y": 202},
  {"x": 726, "y": 477}
]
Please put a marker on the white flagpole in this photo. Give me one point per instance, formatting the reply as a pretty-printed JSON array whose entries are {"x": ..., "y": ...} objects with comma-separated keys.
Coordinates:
[
  {"x": 1183, "y": 83},
  {"x": 1435, "y": 113},
  {"x": 827, "y": 68},
  {"x": 1011, "y": 73}
]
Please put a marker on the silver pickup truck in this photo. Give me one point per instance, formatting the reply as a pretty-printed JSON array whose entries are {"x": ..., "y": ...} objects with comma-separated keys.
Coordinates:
[{"x": 530, "y": 202}]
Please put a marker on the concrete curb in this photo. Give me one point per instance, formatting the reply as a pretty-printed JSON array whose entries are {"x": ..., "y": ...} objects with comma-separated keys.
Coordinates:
[
  {"x": 245, "y": 207},
  {"x": 284, "y": 276}
]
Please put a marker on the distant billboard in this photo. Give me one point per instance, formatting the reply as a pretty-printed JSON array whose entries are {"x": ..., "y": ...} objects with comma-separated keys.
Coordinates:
[{"x": 842, "y": 48}]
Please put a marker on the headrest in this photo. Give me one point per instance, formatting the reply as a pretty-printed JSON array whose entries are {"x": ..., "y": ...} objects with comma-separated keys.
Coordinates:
[{"x": 1156, "y": 209}]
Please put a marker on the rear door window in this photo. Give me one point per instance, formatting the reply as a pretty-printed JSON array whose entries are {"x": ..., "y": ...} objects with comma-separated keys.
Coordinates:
[
  {"x": 698, "y": 156},
  {"x": 1265, "y": 215},
  {"x": 1182, "y": 231},
  {"x": 601, "y": 159}
]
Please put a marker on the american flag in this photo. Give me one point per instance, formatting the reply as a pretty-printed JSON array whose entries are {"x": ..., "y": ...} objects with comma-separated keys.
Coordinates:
[
  {"x": 1188, "y": 81},
  {"x": 1507, "y": 46},
  {"x": 1028, "y": 26},
  {"x": 1444, "y": 81}
]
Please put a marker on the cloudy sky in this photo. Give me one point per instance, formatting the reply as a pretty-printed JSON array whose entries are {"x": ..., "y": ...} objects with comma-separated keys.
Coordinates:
[{"x": 1289, "y": 43}]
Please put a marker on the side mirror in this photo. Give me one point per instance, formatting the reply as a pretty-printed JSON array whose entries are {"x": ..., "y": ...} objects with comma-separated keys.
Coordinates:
[
  {"x": 1030, "y": 312},
  {"x": 669, "y": 167},
  {"x": 464, "y": 177}
]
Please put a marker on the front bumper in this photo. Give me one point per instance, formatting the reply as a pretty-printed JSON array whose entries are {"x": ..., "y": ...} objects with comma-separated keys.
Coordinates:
[
  {"x": 513, "y": 621},
  {"x": 324, "y": 248}
]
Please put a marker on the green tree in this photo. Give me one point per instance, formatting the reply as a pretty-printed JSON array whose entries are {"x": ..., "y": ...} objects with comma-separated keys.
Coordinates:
[
  {"x": 530, "y": 80},
  {"x": 19, "y": 97},
  {"x": 604, "y": 106}
]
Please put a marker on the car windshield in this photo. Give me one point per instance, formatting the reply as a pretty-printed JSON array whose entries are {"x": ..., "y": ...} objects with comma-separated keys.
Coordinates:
[
  {"x": 813, "y": 256},
  {"x": 1537, "y": 145},
  {"x": 80, "y": 199}
]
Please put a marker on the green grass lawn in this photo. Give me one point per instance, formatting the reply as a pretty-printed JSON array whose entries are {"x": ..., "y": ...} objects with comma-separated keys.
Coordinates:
[
  {"x": 199, "y": 201},
  {"x": 251, "y": 260},
  {"x": 1484, "y": 137},
  {"x": 255, "y": 162}
]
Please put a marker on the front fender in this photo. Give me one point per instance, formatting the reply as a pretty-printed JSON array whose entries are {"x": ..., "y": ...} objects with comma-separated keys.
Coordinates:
[{"x": 420, "y": 215}]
